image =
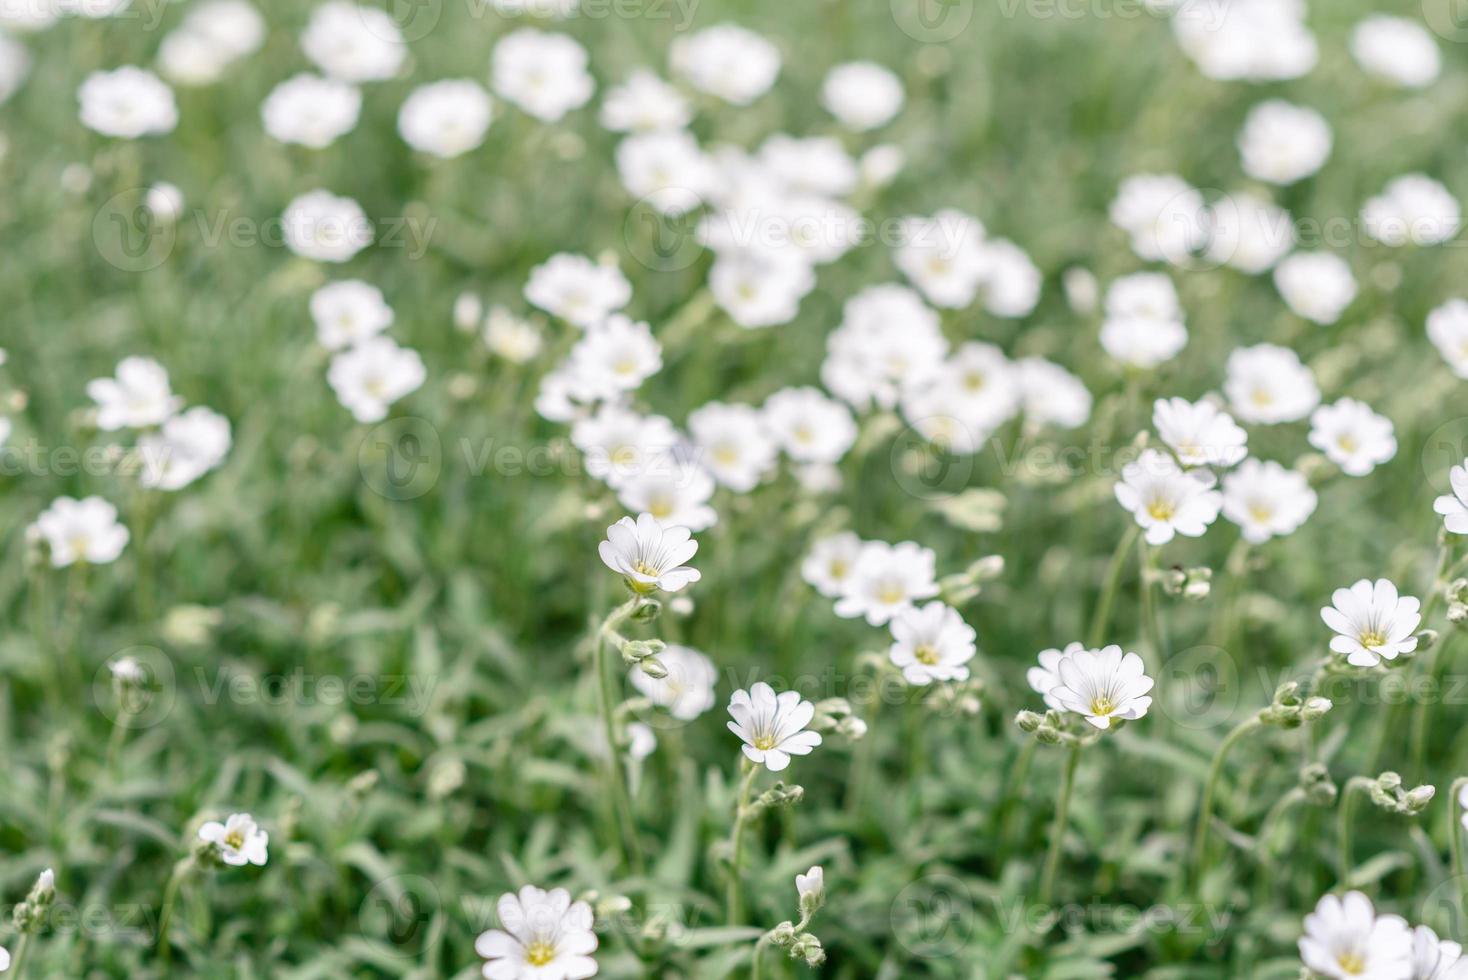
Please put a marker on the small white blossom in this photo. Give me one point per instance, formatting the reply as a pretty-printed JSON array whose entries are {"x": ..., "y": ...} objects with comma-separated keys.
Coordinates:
[
  {"x": 310, "y": 110},
  {"x": 649, "y": 555},
  {"x": 1267, "y": 384},
  {"x": 1372, "y": 622},
  {"x": 188, "y": 446},
  {"x": 931, "y": 643},
  {"x": 688, "y": 689},
  {"x": 1283, "y": 143},
  {"x": 1103, "y": 686},
  {"x": 862, "y": 95},
  {"x": 127, "y": 103},
  {"x": 1346, "y": 940},
  {"x": 1353, "y": 436},
  {"x": 85, "y": 530},
  {"x": 321, "y": 226},
  {"x": 1413, "y": 209},
  {"x": 1317, "y": 285},
  {"x": 543, "y": 74},
  {"x": 1266, "y": 500},
  {"x": 1164, "y": 215},
  {"x": 576, "y": 289},
  {"x": 1044, "y": 679},
  {"x": 369, "y": 377},
  {"x": 1200, "y": 433},
  {"x": 1396, "y": 50},
  {"x": 354, "y": 43},
  {"x": 734, "y": 444},
  {"x": 238, "y": 841},
  {"x": 1166, "y": 500},
  {"x": 832, "y": 560},
  {"x": 772, "y": 726},
  {"x": 1447, "y": 328},
  {"x": 1454, "y": 506},
  {"x": 1051, "y": 395},
  {"x": 725, "y": 60},
  {"x": 138, "y": 396},
  {"x": 446, "y": 119},
  {"x": 347, "y": 312},
  {"x": 644, "y": 104},
  {"x": 543, "y": 935},
  {"x": 887, "y": 579},
  {"x": 810, "y": 427}
]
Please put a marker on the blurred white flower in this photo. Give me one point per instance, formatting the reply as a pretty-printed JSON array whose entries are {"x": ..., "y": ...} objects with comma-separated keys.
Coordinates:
[
  {"x": 619, "y": 444},
  {"x": 734, "y": 444},
  {"x": 1248, "y": 232},
  {"x": 943, "y": 257},
  {"x": 772, "y": 726},
  {"x": 1396, "y": 50},
  {"x": 1103, "y": 686},
  {"x": 353, "y": 43},
  {"x": 862, "y": 95},
  {"x": 649, "y": 555},
  {"x": 311, "y": 110},
  {"x": 688, "y": 689},
  {"x": 1164, "y": 215},
  {"x": 1454, "y": 506},
  {"x": 880, "y": 165},
  {"x": 543, "y": 935},
  {"x": 238, "y": 841},
  {"x": 1414, "y": 209},
  {"x": 1267, "y": 384},
  {"x": 213, "y": 36},
  {"x": 888, "y": 339},
  {"x": 810, "y": 427},
  {"x": 725, "y": 60},
  {"x": 1371, "y": 622},
  {"x": 369, "y": 377},
  {"x": 1044, "y": 679},
  {"x": 1283, "y": 143},
  {"x": 85, "y": 530},
  {"x": 644, "y": 103},
  {"x": 616, "y": 355},
  {"x": 128, "y": 103},
  {"x": 666, "y": 168},
  {"x": 1166, "y": 500},
  {"x": 138, "y": 396},
  {"x": 576, "y": 289},
  {"x": 1266, "y": 500},
  {"x": 1354, "y": 437},
  {"x": 1345, "y": 940},
  {"x": 188, "y": 446},
  {"x": 15, "y": 65},
  {"x": 1051, "y": 395},
  {"x": 1447, "y": 328},
  {"x": 931, "y": 643},
  {"x": 511, "y": 337},
  {"x": 165, "y": 202},
  {"x": 1144, "y": 320},
  {"x": 831, "y": 562},
  {"x": 816, "y": 165},
  {"x": 349, "y": 311},
  {"x": 886, "y": 580},
  {"x": 1246, "y": 40},
  {"x": 543, "y": 74},
  {"x": 676, "y": 492},
  {"x": 446, "y": 119},
  {"x": 1436, "y": 959},
  {"x": 1200, "y": 433},
  {"x": 321, "y": 226}
]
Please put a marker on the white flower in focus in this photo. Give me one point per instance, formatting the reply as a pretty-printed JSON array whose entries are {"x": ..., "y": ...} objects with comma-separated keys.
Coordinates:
[
  {"x": 725, "y": 60},
  {"x": 1164, "y": 215},
  {"x": 1283, "y": 143},
  {"x": 832, "y": 560},
  {"x": 1266, "y": 500},
  {"x": 1454, "y": 506},
  {"x": 1447, "y": 328},
  {"x": 1354, "y": 437},
  {"x": 931, "y": 643},
  {"x": 543, "y": 935},
  {"x": 1166, "y": 500},
  {"x": 644, "y": 104},
  {"x": 1051, "y": 395},
  {"x": 446, "y": 119},
  {"x": 543, "y": 74},
  {"x": 675, "y": 491},
  {"x": 321, "y": 226},
  {"x": 347, "y": 312},
  {"x": 1267, "y": 384},
  {"x": 1199, "y": 432},
  {"x": 650, "y": 556},
  {"x": 127, "y": 103},
  {"x": 688, "y": 689},
  {"x": 734, "y": 444},
  {"x": 862, "y": 95},
  {"x": 888, "y": 579},
  {"x": 772, "y": 726},
  {"x": 1346, "y": 940},
  {"x": 85, "y": 530},
  {"x": 138, "y": 396},
  {"x": 1317, "y": 285},
  {"x": 353, "y": 43},
  {"x": 1104, "y": 686},
  {"x": 1396, "y": 50},
  {"x": 238, "y": 841},
  {"x": 810, "y": 427},
  {"x": 369, "y": 377},
  {"x": 1044, "y": 679},
  {"x": 1414, "y": 209},
  {"x": 188, "y": 446},
  {"x": 310, "y": 110},
  {"x": 1372, "y": 622},
  {"x": 576, "y": 289}
]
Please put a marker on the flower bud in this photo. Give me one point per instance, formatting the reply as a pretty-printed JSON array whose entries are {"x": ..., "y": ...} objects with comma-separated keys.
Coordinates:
[
  {"x": 653, "y": 668},
  {"x": 647, "y": 611},
  {"x": 1028, "y": 721},
  {"x": 1316, "y": 708}
]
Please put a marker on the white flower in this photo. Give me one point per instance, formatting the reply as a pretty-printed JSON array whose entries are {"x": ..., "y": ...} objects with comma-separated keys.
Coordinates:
[
  {"x": 616, "y": 355},
  {"x": 1143, "y": 343},
  {"x": 811, "y": 887},
  {"x": 650, "y": 556},
  {"x": 543, "y": 74},
  {"x": 543, "y": 935},
  {"x": 4, "y": 959},
  {"x": 728, "y": 61},
  {"x": 349, "y": 311},
  {"x": 666, "y": 168},
  {"x": 311, "y": 110},
  {"x": 688, "y": 689},
  {"x": 619, "y": 443},
  {"x": 1316, "y": 285},
  {"x": 15, "y": 65},
  {"x": 1267, "y": 384},
  {"x": 1396, "y": 50},
  {"x": 644, "y": 104},
  {"x": 576, "y": 289},
  {"x": 772, "y": 727},
  {"x": 369, "y": 377},
  {"x": 139, "y": 396},
  {"x": 1454, "y": 506},
  {"x": 1282, "y": 143},
  {"x": 506, "y": 335},
  {"x": 1413, "y": 209},
  {"x": 238, "y": 841},
  {"x": 1249, "y": 40},
  {"x": 1165, "y": 500},
  {"x": 128, "y": 102},
  {"x": 862, "y": 95},
  {"x": 886, "y": 580},
  {"x": 734, "y": 444},
  {"x": 83, "y": 530},
  {"x": 817, "y": 165},
  {"x": 165, "y": 202},
  {"x": 214, "y": 35},
  {"x": 446, "y": 119},
  {"x": 832, "y": 560},
  {"x": 1447, "y": 328},
  {"x": 1051, "y": 395},
  {"x": 880, "y": 165},
  {"x": 1248, "y": 232},
  {"x": 810, "y": 427},
  {"x": 888, "y": 339},
  {"x": 931, "y": 643},
  {"x": 1163, "y": 214},
  {"x": 1199, "y": 432},
  {"x": 1012, "y": 281},
  {"x": 188, "y": 446},
  {"x": 1372, "y": 622},
  {"x": 760, "y": 289},
  {"x": 1346, "y": 940},
  {"x": 1354, "y": 437},
  {"x": 676, "y": 492},
  {"x": 1436, "y": 959},
  {"x": 321, "y": 226},
  {"x": 1103, "y": 685},
  {"x": 353, "y": 43},
  {"x": 127, "y": 670},
  {"x": 1044, "y": 679},
  {"x": 943, "y": 256},
  {"x": 1266, "y": 500}
]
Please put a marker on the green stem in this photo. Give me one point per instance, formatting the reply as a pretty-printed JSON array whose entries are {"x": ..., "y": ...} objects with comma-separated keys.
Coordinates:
[
  {"x": 736, "y": 842},
  {"x": 1421, "y": 717},
  {"x": 1353, "y": 784},
  {"x": 1391, "y": 718},
  {"x": 1057, "y": 832},
  {"x": 115, "y": 740},
  {"x": 616, "y": 772},
  {"x": 17, "y": 964},
  {"x": 1210, "y": 788},
  {"x": 170, "y": 896},
  {"x": 757, "y": 964},
  {"x": 1151, "y": 621},
  {"x": 1455, "y": 843},
  {"x": 1262, "y": 853},
  {"x": 1102, "y": 619},
  {"x": 1010, "y": 805}
]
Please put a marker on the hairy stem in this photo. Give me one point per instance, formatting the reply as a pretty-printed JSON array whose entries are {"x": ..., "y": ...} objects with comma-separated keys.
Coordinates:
[
  {"x": 736, "y": 843},
  {"x": 1210, "y": 788},
  {"x": 1057, "y": 832},
  {"x": 616, "y": 771}
]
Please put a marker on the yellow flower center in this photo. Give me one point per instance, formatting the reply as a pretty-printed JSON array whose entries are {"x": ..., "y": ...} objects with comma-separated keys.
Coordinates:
[
  {"x": 839, "y": 569},
  {"x": 1261, "y": 512},
  {"x": 234, "y": 840},
  {"x": 660, "y": 507},
  {"x": 625, "y": 367},
  {"x": 539, "y": 953},
  {"x": 1102, "y": 706},
  {"x": 1347, "y": 443},
  {"x": 1161, "y": 510},
  {"x": 1372, "y": 639},
  {"x": 1263, "y": 397},
  {"x": 926, "y": 654},
  {"x": 726, "y": 455},
  {"x": 891, "y": 594},
  {"x": 1353, "y": 963},
  {"x": 764, "y": 742}
]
